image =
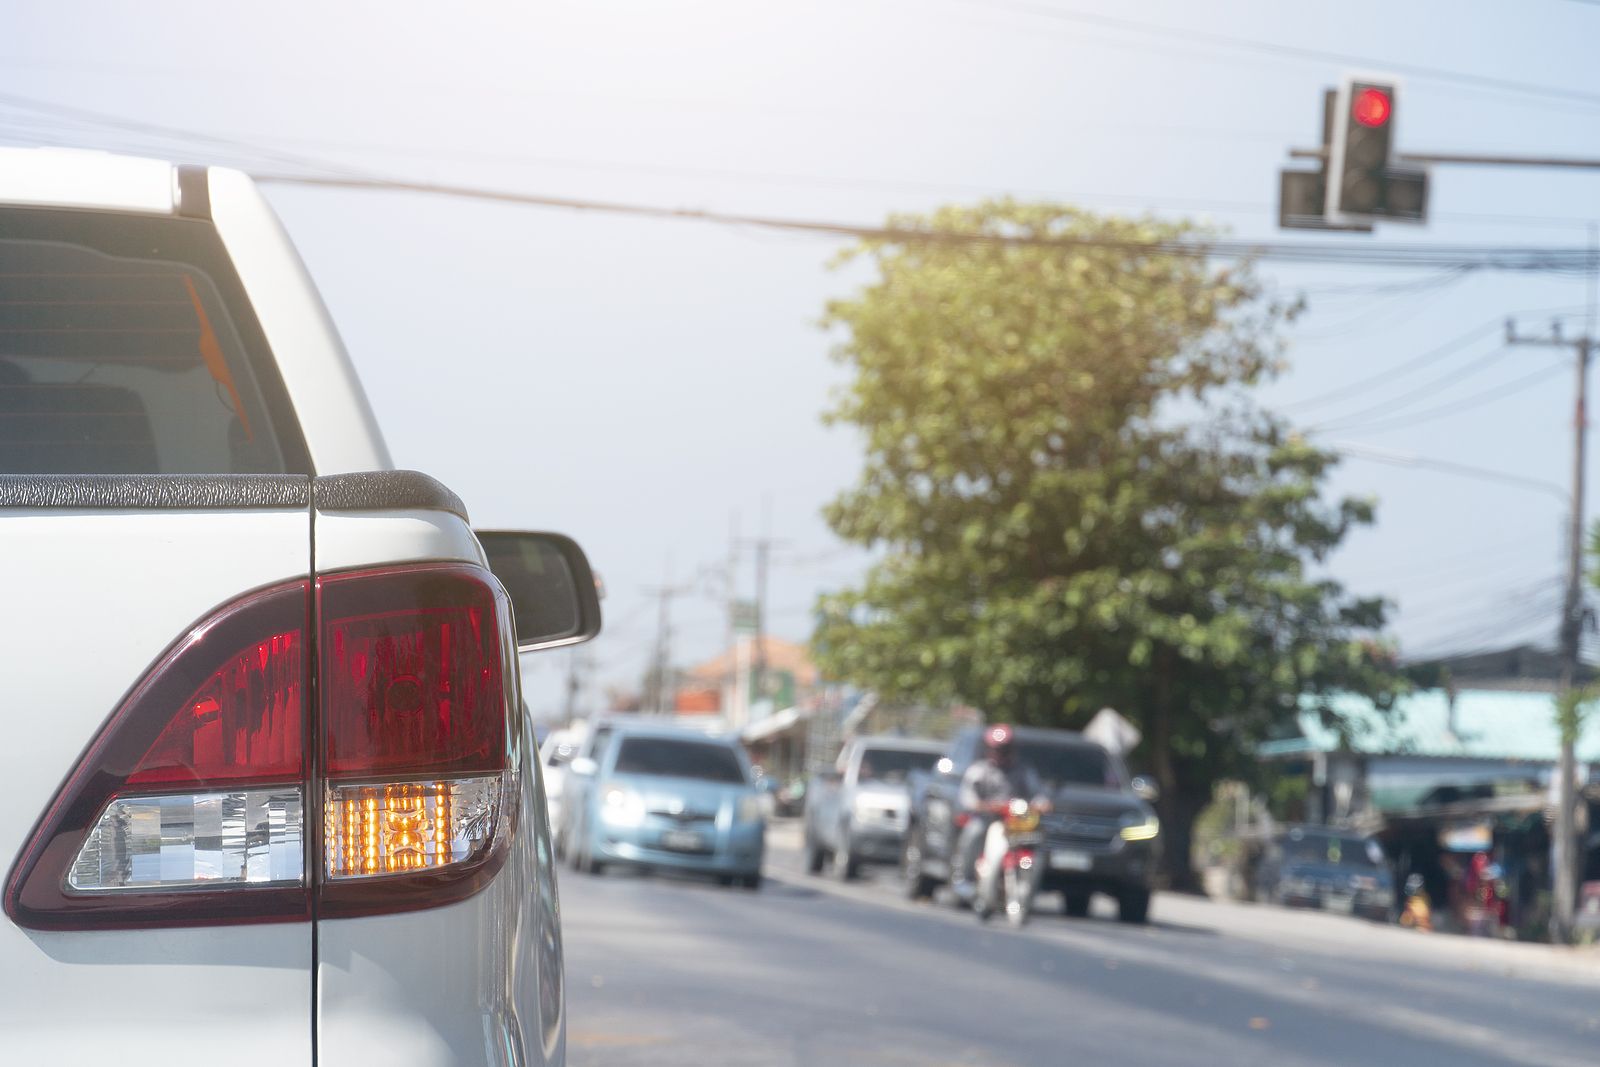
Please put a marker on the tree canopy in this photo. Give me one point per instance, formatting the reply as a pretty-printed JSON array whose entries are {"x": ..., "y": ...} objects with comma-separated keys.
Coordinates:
[{"x": 1076, "y": 500}]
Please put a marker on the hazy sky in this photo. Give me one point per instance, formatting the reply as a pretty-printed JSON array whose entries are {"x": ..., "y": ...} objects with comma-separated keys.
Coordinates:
[{"x": 636, "y": 383}]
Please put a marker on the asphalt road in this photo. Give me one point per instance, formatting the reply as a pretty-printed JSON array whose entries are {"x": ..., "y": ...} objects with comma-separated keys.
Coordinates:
[{"x": 667, "y": 971}]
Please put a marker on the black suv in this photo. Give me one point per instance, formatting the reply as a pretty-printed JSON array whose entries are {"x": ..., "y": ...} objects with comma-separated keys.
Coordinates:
[{"x": 1101, "y": 836}]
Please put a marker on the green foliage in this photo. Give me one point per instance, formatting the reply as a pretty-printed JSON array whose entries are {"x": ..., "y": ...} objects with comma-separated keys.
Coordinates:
[{"x": 1076, "y": 501}]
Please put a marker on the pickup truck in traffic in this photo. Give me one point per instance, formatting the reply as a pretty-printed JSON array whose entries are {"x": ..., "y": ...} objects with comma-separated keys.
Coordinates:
[
  {"x": 858, "y": 812},
  {"x": 270, "y": 793},
  {"x": 1100, "y": 835}
]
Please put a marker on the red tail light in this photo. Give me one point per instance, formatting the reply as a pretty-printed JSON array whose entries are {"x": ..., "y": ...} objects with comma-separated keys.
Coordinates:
[
  {"x": 197, "y": 804},
  {"x": 418, "y": 792}
]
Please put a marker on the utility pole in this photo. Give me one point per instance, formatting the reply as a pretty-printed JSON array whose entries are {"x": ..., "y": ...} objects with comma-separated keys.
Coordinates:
[
  {"x": 730, "y": 680},
  {"x": 758, "y": 671},
  {"x": 763, "y": 546},
  {"x": 573, "y": 684},
  {"x": 663, "y": 657},
  {"x": 1565, "y": 875}
]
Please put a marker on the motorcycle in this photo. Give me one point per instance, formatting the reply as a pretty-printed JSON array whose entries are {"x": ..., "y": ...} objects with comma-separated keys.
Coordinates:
[{"x": 1011, "y": 864}]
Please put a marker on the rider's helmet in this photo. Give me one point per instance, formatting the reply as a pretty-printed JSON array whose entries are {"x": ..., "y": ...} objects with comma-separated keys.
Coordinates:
[{"x": 1000, "y": 740}]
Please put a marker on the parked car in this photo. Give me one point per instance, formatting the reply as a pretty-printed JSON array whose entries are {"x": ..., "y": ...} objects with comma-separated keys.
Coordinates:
[
  {"x": 593, "y": 735},
  {"x": 554, "y": 754},
  {"x": 1328, "y": 868},
  {"x": 666, "y": 797},
  {"x": 272, "y": 789},
  {"x": 1101, "y": 835},
  {"x": 858, "y": 812}
]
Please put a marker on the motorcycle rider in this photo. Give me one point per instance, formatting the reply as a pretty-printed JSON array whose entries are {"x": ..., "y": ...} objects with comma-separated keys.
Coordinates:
[{"x": 987, "y": 788}]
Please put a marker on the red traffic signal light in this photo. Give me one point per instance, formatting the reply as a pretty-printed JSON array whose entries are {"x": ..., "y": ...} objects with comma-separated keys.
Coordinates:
[{"x": 1371, "y": 107}]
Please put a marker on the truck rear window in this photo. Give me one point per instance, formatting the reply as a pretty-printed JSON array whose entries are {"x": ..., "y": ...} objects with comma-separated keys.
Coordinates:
[{"x": 127, "y": 347}]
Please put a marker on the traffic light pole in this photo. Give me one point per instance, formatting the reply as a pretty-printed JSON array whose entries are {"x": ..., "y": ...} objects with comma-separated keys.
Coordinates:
[{"x": 1564, "y": 878}]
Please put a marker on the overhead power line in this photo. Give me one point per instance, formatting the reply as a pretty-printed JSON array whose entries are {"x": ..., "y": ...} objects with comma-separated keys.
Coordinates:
[
  {"x": 1433, "y": 355},
  {"x": 1479, "y": 399},
  {"x": 1357, "y": 450},
  {"x": 1193, "y": 36},
  {"x": 1481, "y": 257},
  {"x": 1426, "y": 390}
]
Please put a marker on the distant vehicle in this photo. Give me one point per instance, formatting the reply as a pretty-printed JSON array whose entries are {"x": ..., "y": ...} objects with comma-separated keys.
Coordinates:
[
  {"x": 1101, "y": 835},
  {"x": 665, "y": 797},
  {"x": 858, "y": 812},
  {"x": 554, "y": 754},
  {"x": 1327, "y": 868},
  {"x": 592, "y": 736}
]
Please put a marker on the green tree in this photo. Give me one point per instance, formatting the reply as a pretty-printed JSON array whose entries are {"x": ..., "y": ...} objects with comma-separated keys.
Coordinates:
[{"x": 1076, "y": 502}]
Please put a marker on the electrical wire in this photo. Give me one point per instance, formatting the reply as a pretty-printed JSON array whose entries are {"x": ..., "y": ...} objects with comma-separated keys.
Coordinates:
[
  {"x": 1467, "y": 403},
  {"x": 1466, "y": 640},
  {"x": 1192, "y": 36},
  {"x": 1426, "y": 389},
  {"x": 1391, "y": 309},
  {"x": 249, "y": 155},
  {"x": 1361, "y": 385},
  {"x": 1528, "y": 259},
  {"x": 1444, "y": 466}
]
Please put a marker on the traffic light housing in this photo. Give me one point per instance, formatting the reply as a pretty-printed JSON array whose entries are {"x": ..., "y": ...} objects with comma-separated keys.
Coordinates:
[
  {"x": 1357, "y": 183},
  {"x": 1361, "y": 150}
]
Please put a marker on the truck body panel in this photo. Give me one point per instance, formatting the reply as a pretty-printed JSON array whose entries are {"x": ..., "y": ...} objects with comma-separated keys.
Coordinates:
[{"x": 95, "y": 597}]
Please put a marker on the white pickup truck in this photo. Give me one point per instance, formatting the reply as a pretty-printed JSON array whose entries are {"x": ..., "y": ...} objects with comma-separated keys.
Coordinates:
[
  {"x": 858, "y": 812},
  {"x": 269, "y": 793}
]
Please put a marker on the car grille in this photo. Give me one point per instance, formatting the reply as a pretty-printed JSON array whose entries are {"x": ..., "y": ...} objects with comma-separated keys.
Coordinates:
[
  {"x": 684, "y": 818},
  {"x": 1067, "y": 830}
]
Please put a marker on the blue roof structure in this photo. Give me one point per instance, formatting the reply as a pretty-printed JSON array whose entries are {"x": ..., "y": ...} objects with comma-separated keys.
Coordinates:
[{"x": 1488, "y": 724}]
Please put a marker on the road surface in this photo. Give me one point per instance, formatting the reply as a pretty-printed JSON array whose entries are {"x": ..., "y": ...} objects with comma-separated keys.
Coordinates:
[{"x": 666, "y": 971}]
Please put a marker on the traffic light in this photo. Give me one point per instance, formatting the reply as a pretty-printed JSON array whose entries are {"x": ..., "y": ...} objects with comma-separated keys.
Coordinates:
[
  {"x": 1360, "y": 150},
  {"x": 1357, "y": 183}
]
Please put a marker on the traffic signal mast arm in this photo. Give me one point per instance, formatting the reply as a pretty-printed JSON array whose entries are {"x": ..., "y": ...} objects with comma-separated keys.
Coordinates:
[{"x": 1426, "y": 158}]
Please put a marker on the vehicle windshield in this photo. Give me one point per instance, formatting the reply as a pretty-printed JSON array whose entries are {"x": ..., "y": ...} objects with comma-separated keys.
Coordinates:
[
  {"x": 1336, "y": 849},
  {"x": 893, "y": 765},
  {"x": 665, "y": 757},
  {"x": 125, "y": 348},
  {"x": 1059, "y": 766}
]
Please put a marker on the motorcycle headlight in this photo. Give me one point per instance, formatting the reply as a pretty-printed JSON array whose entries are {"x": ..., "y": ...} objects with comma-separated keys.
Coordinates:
[
  {"x": 748, "y": 809},
  {"x": 622, "y": 808},
  {"x": 1137, "y": 827}
]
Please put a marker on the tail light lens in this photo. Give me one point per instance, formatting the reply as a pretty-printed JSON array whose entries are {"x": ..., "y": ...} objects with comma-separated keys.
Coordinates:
[
  {"x": 418, "y": 779},
  {"x": 216, "y": 794}
]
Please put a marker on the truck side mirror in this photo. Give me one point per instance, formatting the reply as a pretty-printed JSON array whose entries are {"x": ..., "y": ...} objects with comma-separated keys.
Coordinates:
[{"x": 554, "y": 596}]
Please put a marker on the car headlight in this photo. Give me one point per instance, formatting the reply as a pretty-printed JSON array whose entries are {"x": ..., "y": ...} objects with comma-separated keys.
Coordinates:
[
  {"x": 1137, "y": 827},
  {"x": 622, "y": 808},
  {"x": 749, "y": 809}
]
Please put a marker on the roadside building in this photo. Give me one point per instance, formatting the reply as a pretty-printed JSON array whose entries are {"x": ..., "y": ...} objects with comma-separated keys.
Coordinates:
[{"x": 1455, "y": 781}]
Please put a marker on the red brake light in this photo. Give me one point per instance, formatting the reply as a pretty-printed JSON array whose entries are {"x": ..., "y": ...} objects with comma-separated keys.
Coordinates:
[
  {"x": 220, "y": 709},
  {"x": 196, "y": 804},
  {"x": 412, "y": 676},
  {"x": 418, "y": 720},
  {"x": 243, "y": 724},
  {"x": 1371, "y": 107}
]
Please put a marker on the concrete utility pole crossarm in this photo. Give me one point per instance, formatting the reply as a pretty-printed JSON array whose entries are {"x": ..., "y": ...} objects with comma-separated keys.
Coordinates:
[{"x": 1565, "y": 875}]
